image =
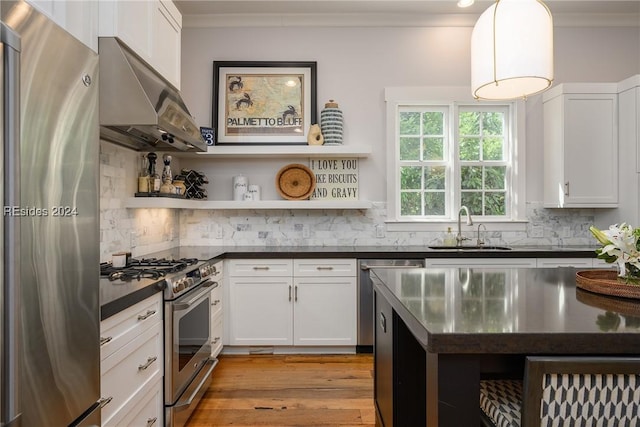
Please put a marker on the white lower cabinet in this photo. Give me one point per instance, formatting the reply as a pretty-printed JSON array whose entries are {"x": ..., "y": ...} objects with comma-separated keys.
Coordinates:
[
  {"x": 261, "y": 310},
  {"x": 293, "y": 302},
  {"x": 217, "y": 317},
  {"x": 131, "y": 365}
]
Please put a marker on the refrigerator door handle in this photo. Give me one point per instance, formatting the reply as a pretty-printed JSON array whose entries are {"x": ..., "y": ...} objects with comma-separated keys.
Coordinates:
[{"x": 10, "y": 231}]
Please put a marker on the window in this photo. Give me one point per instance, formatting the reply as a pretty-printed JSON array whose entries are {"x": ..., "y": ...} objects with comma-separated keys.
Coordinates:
[{"x": 449, "y": 153}]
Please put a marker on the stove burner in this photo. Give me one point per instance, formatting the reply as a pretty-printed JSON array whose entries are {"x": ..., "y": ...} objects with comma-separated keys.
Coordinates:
[{"x": 127, "y": 274}]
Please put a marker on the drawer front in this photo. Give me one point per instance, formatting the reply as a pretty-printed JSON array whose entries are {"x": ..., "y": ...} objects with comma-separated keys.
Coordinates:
[
  {"x": 118, "y": 330},
  {"x": 216, "y": 300},
  {"x": 129, "y": 370},
  {"x": 260, "y": 268},
  {"x": 564, "y": 262},
  {"x": 217, "y": 331},
  {"x": 148, "y": 411},
  {"x": 324, "y": 267}
]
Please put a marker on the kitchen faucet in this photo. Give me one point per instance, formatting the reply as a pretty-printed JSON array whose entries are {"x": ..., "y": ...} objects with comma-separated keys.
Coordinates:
[
  {"x": 480, "y": 241},
  {"x": 459, "y": 238}
]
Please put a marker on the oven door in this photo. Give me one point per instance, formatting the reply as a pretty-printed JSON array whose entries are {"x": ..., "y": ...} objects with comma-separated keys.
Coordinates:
[{"x": 187, "y": 339}]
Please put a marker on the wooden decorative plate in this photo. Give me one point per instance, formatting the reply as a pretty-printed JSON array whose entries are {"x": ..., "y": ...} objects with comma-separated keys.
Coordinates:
[
  {"x": 295, "y": 182},
  {"x": 606, "y": 282}
]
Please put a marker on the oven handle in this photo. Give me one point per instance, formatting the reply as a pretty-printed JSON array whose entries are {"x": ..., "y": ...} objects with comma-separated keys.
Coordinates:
[
  {"x": 178, "y": 306},
  {"x": 205, "y": 377}
]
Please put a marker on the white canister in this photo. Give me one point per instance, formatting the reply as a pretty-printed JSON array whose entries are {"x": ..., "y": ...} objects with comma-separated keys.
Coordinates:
[
  {"x": 248, "y": 197},
  {"x": 254, "y": 190},
  {"x": 240, "y": 184},
  {"x": 119, "y": 260}
]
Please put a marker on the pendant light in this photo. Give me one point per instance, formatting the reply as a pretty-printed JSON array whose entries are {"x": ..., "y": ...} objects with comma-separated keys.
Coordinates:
[{"x": 512, "y": 50}]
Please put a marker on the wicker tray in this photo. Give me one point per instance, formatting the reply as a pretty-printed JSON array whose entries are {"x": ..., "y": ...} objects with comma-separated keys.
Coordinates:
[
  {"x": 628, "y": 307},
  {"x": 295, "y": 182},
  {"x": 606, "y": 282}
]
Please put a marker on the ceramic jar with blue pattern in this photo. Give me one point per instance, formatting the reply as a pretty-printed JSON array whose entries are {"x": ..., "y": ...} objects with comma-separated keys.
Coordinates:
[{"x": 331, "y": 123}]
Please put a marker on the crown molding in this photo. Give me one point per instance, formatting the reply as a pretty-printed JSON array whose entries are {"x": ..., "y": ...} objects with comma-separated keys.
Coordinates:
[{"x": 245, "y": 20}]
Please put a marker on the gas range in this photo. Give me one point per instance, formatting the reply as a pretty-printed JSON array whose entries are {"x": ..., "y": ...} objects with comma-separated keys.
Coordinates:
[{"x": 180, "y": 275}]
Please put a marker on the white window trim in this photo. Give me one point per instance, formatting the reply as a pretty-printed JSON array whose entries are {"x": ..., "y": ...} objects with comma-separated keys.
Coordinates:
[{"x": 447, "y": 95}]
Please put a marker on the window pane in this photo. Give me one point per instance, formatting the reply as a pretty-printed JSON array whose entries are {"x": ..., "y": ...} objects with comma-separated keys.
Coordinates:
[
  {"x": 492, "y": 148},
  {"x": 434, "y": 203},
  {"x": 494, "y": 177},
  {"x": 470, "y": 149},
  {"x": 410, "y": 178},
  {"x": 471, "y": 177},
  {"x": 492, "y": 123},
  {"x": 434, "y": 178},
  {"x": 410, "y": 123},
  {"x": 433, "y": 148},
  {"x": 495, "y": 203},
  {"x": 410, "y": 203},
  {"x": 410, "y": 148},
  {"x": 472, "y": 200},
  {"x": 469, "y": 123},
  {"x": 433, "y": 123}
]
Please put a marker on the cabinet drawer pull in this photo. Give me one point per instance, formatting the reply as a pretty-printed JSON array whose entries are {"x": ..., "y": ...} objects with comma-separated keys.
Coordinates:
[
  {"x": 216, "y": 302},
  {"x": 150, "y": 360},
  {"x": 151, "y": 421},
  {"x": 566, "y": 188},
  {"x": 261, "y": 268},
  {"x": 215, "y": 340},
  {"x": 289, "y": 292},
  {"x": 295, "y": 293},
  {"x": 147, "y": 315},
  {"x": 104, "y": 401},
  {"x": 383, "y": 322},
  {"x": 324, "y": 268},
  {"x": 104, "y": 340}
]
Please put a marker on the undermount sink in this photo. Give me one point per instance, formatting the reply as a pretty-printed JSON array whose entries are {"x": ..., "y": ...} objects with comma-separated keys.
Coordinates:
[{"x": 473, "y": 248}]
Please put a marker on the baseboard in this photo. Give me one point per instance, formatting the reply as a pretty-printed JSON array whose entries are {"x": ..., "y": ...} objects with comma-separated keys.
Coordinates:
[{"x": 245, "y": 350}]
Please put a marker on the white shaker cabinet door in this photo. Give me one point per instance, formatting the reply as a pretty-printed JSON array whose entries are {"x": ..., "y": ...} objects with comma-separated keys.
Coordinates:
[
  {"x": 261, "y": 310},
  {"x": 325, "y": 311},
  {"x": 581, "y": 146}
]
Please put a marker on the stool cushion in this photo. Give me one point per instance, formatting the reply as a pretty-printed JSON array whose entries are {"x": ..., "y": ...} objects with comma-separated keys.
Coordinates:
[
  {"x": 501, "y": 401},
  {"x": 590, "y": 399}
]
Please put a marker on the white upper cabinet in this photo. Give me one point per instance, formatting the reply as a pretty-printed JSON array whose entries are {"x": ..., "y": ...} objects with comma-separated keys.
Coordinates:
[
  {"x": 79, "y": 18},
  {"x": 581, "y": 146},
  {"x": 152, "y": 29}
]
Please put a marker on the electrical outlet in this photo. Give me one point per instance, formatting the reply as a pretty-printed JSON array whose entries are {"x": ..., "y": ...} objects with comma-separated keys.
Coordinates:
[
  {"x": 566, "y": 231},
  {"x": 537, "y": 231},
  {"x": 305, "y": 231},
  {"x": 133, "y": 239},
  {"x": 219, "y": 232},
  {"x": 380, "y": 231}
]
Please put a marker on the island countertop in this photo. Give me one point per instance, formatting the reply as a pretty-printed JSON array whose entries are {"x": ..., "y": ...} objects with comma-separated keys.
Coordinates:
[{"x": 509, "y": 311}]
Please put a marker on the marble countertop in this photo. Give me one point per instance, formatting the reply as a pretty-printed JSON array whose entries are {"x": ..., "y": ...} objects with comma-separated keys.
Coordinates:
[
  {"x": 502, "y": 310},
  {"x": 118, "y": 295}
]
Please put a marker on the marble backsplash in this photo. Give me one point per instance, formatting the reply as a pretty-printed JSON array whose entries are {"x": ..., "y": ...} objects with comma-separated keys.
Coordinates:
[{"x": 148, "y": 230}]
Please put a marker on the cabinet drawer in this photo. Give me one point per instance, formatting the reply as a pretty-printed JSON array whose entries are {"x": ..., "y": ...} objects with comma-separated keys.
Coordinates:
[
  {"x": 128, "y": 371},
  {"x": 121, "y": 328},
  {"x": 216, "y": 334},
  {"x": 324, "y": 267},
  {"x": 564, "y": 262},
  {"x": 148, "y": 411},
  {"x": 261, "y": 268},
  {"x": 216, "y": 300}
]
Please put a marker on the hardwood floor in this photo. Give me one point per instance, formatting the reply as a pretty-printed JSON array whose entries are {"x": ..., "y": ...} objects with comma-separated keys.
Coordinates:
[{"x": 293, "y": 390}]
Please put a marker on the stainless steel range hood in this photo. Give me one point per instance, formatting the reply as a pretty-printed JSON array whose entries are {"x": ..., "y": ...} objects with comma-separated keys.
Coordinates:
[{"x": 138, "y": 108}]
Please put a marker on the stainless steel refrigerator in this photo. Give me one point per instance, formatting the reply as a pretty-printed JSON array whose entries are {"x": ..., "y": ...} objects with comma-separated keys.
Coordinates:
[{"x": 50, "y": 367}]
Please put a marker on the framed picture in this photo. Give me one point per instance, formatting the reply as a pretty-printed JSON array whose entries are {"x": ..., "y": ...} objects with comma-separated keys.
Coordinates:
[{"x": 263, "y": 102}]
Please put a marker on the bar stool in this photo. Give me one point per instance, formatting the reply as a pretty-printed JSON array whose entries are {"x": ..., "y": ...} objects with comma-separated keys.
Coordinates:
[{"x": 571, "y": 391}]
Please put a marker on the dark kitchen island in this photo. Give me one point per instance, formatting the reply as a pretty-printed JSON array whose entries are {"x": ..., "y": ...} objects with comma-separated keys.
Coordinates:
[{"x": 439, "y": 331}]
